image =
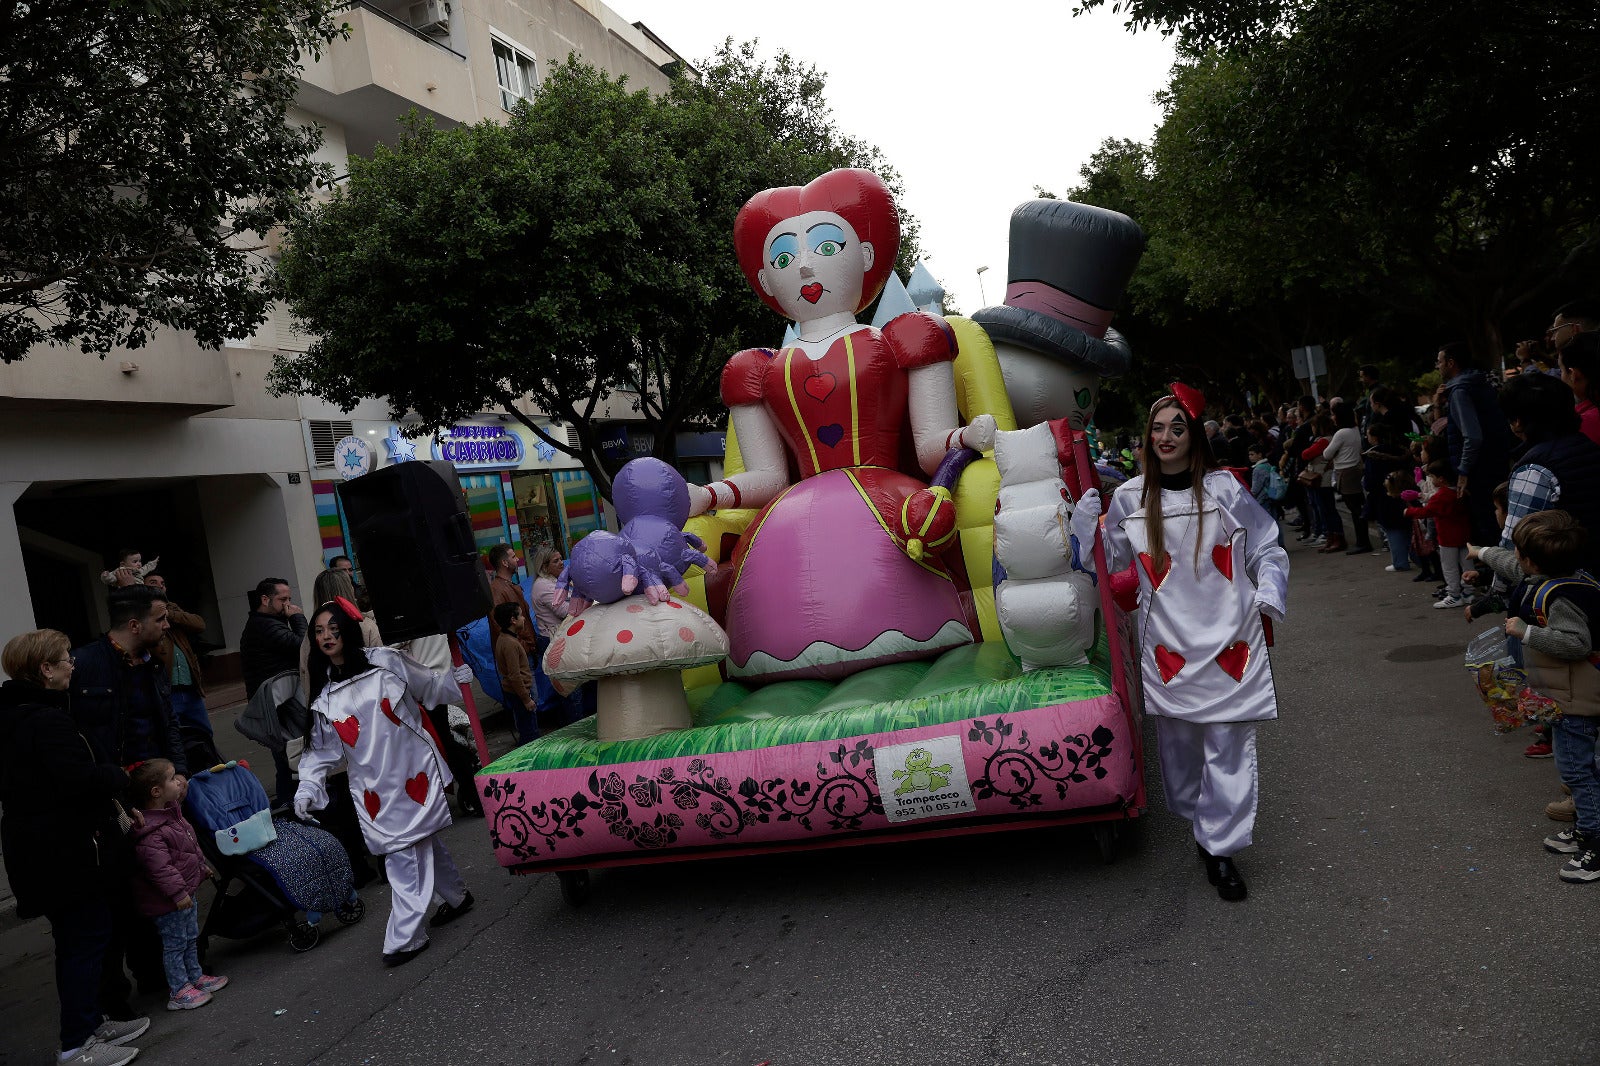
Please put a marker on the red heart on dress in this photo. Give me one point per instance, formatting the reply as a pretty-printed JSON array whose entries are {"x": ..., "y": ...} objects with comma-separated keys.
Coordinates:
[
  {"x": 417, "y": 787},
  {"x": 369, "y": 800},
  {"x": 1156, "y": 576},
  {"x": 1234, "y": 658},
  {"x": 388, "y": 712},
  {"x": 811, "y": 293},
  {"x": 348, "y": 729},
  {"x": 1168, "y": 662},
  {"x": 1222, "y": 555},
  {"x": 820, "y": 386}
]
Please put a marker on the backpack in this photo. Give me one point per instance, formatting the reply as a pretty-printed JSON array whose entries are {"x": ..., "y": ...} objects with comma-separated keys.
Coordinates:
[
  {"x": 277, "y": 713},
  {"x": 1277, "y": 485}
]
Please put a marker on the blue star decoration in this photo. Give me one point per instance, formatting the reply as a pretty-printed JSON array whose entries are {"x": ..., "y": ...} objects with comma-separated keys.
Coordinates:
[
  {"x": 400, "y": 449},
  {"x": 352, "y": 459},
  {"x": 544, "y": 451}
]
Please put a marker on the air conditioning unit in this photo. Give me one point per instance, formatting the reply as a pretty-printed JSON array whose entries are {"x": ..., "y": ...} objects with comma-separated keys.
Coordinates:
[{"x": 430, "y": 16}]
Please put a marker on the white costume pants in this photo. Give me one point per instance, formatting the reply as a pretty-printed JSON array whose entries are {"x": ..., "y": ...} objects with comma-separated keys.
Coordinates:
[
  {"x": 415, "y": 873},
  {"x": 1209, "y": 772}
]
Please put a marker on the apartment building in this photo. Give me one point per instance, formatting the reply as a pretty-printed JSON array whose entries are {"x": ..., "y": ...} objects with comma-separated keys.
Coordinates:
[{"x": 180, "y": 452}]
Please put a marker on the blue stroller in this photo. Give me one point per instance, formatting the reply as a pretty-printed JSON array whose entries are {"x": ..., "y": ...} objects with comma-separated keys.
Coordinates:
[{"x": 288, "y": 874}]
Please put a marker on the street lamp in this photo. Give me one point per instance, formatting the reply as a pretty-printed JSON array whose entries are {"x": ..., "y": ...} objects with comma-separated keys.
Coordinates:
[{"x": 982, "y": 299}]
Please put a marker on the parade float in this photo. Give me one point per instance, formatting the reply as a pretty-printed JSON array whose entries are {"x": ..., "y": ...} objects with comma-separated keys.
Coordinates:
[{"x": 877, "y": 625}]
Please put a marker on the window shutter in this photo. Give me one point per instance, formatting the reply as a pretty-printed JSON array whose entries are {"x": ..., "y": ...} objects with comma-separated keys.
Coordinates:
[{"x": 324, "y": 435}]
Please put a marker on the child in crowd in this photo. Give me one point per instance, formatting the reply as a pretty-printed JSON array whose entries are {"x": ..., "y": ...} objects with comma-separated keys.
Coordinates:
[
  {"x": 516, "y": 676},
  {"x": 170, "y": 870},
  {"x": 1451, "y": 529},
  {"x": 1552, "y": 612},
  {"x": 1265, "y": 480},
  {"x": 1390, "y": 511}
]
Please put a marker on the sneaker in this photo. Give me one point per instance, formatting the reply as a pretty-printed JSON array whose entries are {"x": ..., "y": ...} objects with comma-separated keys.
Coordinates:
[
  {"x": 1449, "y": 601},
  {"x": 188, "y": 998},
  {"x": 119, "y": 1033},
  {"x": 1566, "y": 842},
  {"x": 99, "y": 1053},
  {"x": 1562, "y": 810},
  {"x": 1581, "y": 868},
  {"x": 207, "y": 983},
  {"x": 1539, "y": 749},
  {"x": 1393, "y": 569}
]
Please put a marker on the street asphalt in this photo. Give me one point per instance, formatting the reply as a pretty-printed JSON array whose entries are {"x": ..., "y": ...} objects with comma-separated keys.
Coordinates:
[{"x": 1401, "y": 910}]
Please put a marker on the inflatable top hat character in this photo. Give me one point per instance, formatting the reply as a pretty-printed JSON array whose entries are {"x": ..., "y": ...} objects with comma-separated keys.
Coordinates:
[{"x": 1069, "y": 265}]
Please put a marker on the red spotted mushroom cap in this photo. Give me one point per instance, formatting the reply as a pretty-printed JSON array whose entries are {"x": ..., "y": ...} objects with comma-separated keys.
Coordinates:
[{"x": 632, "y": 636}]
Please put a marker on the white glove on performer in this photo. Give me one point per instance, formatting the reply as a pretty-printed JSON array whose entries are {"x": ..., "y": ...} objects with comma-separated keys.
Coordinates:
[
  {"x": 302, "y": 806},
  {"x": 1085, "y": 521},
  {"x": 462, "y": 674}
]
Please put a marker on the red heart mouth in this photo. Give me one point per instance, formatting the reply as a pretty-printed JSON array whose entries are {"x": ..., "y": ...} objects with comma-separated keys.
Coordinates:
[{"x": 811, "y": 293}]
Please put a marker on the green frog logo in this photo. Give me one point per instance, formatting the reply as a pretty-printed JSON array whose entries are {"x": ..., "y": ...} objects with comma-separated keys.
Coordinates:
[{"x": 920, "y": 774}]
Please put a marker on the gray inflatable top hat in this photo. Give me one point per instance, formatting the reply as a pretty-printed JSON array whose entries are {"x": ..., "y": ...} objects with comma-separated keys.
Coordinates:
[{"x": 1068, "y": 267}]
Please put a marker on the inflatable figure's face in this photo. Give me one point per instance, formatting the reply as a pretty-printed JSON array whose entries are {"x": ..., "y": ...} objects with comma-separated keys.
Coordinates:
[
  {"x": 815, "y": 265},
  {"x": 1041, "y": 388}
]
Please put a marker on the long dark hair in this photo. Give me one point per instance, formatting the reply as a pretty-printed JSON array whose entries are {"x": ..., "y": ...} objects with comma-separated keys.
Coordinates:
[
  {"x": 319, "y": 666},
  {"x": 1201, "y": 461}
]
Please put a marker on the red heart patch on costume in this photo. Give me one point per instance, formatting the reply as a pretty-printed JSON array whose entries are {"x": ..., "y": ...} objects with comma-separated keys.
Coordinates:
[
  {"x": 820, "y": 386},
  {"x": 388, "y": 711},
  {"x": 417, "y": 787},
  {"x": 1156, "y": 576},
  {"x": 1168, "y": 662},
  {"x": 811, "y": 293},
  {"x": 348, "y": 729},
  {"x": 369, "y": 800},
  {"x": 1222, "y": 555},
  {"x": 1234, "y": 658}
]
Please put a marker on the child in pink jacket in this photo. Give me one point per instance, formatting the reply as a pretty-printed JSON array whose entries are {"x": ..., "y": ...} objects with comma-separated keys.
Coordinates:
[{"x": 171, "y": 869}]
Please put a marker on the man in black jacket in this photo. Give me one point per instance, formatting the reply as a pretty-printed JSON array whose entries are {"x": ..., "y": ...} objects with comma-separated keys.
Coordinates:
[{"x": 270, "y": 645}]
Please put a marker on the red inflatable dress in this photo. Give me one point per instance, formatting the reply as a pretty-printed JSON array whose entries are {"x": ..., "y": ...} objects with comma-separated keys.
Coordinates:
[{"x": 821, "y": 585}]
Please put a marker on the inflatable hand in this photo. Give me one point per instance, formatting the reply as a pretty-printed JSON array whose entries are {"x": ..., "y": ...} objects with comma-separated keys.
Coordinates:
[{"x": 979, "y": 434}]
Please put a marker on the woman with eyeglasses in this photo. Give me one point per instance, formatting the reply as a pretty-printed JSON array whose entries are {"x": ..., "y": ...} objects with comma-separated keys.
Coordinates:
[{"x": 60, "y": 822}]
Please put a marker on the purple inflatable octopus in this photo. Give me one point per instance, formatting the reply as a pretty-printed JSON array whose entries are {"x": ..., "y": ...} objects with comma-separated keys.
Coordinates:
[{"x": 652, "y": 551}]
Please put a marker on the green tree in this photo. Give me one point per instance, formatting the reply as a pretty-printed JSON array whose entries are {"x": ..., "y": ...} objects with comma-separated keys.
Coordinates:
[
  {"x": 582, "y": 251},
  {"x": 143, "y": 149}
]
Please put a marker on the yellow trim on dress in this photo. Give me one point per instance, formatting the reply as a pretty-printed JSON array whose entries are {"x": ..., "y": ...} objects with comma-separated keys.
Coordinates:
[
  {"x": 794, "y": 405},
  {"x": 855, "y": 410},
  {"x": 872, "y": 508}
]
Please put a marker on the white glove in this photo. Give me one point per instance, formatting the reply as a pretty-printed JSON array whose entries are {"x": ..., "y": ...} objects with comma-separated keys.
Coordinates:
[
  {"x": 979, "y": 434},
  {"x": 1085, "y": 521},
  {"x": 462, "y": 674},
  {"x": 302, "y": 805}
]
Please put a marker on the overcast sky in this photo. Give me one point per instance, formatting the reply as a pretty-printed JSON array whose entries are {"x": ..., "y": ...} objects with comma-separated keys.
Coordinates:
[{"x": 974, "y": 111}]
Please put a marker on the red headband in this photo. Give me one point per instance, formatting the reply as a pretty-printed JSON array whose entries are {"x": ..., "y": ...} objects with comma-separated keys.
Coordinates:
[
  {"x": 348, "y": 608},
  {"x": 1193, "y": 401}
]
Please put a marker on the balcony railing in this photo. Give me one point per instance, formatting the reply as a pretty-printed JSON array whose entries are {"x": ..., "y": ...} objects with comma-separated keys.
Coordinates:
[{"x": 401, "y": 23}]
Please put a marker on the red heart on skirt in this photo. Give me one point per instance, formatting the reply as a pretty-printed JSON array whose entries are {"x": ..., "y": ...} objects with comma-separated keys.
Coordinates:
[
  {"x": 369, "y": 800},
  {"x": 1234, "y": 658},
  {"x": 388, "y": 712},
  {"x": 348, "y": 729},
  {"x": 1156, "y": 576},
  {"x": 1168, "y": 662},
  {"x": 1222, "y": 555},
  {"x": 417, "y": 787}
]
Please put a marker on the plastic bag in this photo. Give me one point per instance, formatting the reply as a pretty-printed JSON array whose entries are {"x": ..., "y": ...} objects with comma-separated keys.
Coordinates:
[{"x": 1503, "y": 685}]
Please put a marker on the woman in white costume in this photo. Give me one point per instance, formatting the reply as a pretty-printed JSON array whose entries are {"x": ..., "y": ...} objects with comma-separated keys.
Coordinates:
[
  {"x": 366, "y": 718},
  {"x": 1212, "y": 579}
]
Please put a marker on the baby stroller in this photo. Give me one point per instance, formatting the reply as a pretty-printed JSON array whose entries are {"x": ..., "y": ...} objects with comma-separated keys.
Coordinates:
[{"x": 288, "y": 874}]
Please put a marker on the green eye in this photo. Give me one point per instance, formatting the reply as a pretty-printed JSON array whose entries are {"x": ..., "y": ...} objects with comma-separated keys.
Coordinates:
[
  {"x": 782, "y": 260},
  {"x": 1084, "y": 397},
  {"x": 828, "y": 248}
]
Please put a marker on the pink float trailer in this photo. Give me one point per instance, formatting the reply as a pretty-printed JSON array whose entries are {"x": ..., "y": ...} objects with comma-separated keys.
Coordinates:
[{"x": 967, "y": 742}]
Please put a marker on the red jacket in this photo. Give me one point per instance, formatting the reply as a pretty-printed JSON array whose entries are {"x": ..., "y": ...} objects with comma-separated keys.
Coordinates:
[
  {"x": 1450, "y": 523},
  {"x": 170, "y": 863}
]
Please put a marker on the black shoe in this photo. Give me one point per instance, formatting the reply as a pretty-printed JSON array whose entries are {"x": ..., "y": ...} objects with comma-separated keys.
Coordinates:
[
  {"x": 400, "y": 958},
  {"x": 1221, "y": 871},
  {"x": 447, "y": 914},
  {"x": 1423, "y": 577}
]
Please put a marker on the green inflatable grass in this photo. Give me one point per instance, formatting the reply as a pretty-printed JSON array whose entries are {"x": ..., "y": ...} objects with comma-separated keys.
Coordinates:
[{"x": 968, "y": 682}]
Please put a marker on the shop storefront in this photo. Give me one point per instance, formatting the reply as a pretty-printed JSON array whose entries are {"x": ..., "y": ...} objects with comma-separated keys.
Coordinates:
[{"x": 520, "y": 490}]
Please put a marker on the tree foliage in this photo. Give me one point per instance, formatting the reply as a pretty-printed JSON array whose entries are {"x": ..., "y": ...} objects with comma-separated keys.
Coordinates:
[
  {"x": 1371, "y": 175},
  {"x": 581, "y": 251},
  {"x": 143, "y": 147}
]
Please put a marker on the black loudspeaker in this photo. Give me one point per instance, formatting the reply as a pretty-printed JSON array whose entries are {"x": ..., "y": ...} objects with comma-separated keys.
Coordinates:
[{"x": 412, "y": 535}]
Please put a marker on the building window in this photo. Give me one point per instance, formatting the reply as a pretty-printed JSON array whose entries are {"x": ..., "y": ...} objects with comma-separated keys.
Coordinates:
[{"x": 514, "y": 70}]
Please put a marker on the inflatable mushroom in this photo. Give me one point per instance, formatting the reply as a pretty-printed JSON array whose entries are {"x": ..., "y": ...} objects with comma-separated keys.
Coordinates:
[{"x": 636, "y": 650}]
